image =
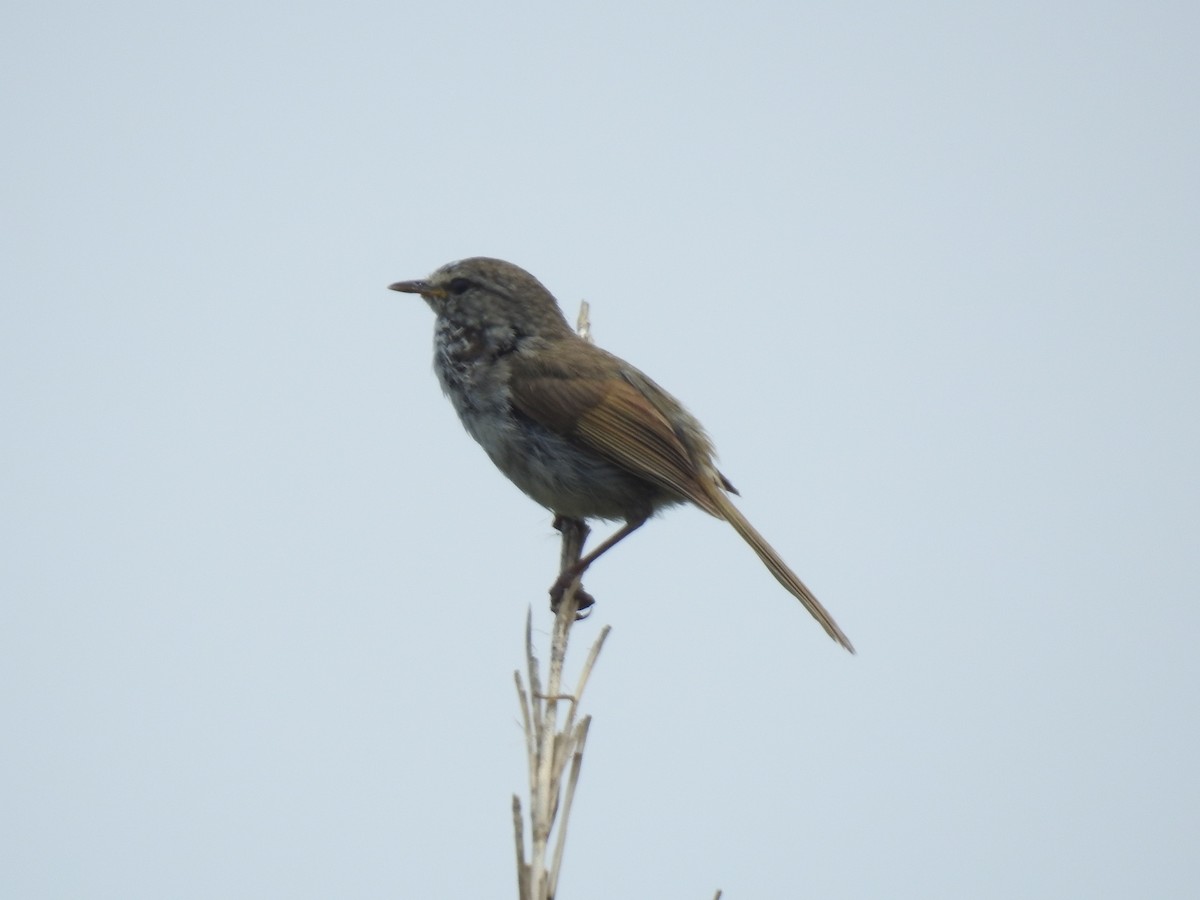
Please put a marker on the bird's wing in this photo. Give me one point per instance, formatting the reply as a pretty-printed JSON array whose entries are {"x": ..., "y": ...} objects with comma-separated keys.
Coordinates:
[{"x": 606, "y": 414}]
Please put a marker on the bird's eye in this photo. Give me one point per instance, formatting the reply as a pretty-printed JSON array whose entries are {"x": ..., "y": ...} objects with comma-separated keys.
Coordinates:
[{"x": 459, "y": 286}]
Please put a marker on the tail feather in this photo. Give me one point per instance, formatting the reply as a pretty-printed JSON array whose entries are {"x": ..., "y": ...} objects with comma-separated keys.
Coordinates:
[{"x": 779, "y": 568}]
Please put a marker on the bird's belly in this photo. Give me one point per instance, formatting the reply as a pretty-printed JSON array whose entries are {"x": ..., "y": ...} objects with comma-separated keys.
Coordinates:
[
  {"x": 551, "y": 469},
  {"x": 563, "y": 477}
]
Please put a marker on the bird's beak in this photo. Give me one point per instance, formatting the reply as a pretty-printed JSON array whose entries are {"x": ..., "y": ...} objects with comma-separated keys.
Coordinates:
[{"x": 424, "y": 288}]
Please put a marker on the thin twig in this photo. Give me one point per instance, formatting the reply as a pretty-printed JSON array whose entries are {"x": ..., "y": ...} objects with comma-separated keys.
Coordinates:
[
  {"x": 586, "y": 672},
  {"x": 583, "y": 324},
  {"x": 519, "y": 832},
  {"x": 580, "y": 738}
]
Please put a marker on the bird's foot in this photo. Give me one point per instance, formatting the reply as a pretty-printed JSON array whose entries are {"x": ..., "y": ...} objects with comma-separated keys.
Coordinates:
[{"x": 583, "y": 600}]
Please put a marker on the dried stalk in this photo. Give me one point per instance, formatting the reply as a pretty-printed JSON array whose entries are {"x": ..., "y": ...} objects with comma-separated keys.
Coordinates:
[{"x": 548, "y": 745}]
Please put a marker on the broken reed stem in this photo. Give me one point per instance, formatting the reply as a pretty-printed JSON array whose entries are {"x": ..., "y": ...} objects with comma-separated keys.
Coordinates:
[{"x": 548, "y": 745}]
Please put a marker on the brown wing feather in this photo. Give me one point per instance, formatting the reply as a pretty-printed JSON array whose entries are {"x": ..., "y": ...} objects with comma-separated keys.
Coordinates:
[
  {"x": 629, "y": 430},
  {"x": 553, "y": 401},
  {"x": 611, "y": 417}
]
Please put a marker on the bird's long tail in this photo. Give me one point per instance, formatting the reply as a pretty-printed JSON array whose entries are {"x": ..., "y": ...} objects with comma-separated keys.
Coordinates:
[{"x": 778, "y": 567}]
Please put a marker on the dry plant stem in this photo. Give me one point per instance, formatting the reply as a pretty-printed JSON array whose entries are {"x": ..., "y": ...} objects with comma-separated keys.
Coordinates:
[
  {"x": 550, "y": 747},
  {"x": 519, "y": 831},
  {"x": 583, "y": 324}
]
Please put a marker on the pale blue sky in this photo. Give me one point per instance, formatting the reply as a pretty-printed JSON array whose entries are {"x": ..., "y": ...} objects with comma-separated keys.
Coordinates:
[{"x": 927, "y": 272}]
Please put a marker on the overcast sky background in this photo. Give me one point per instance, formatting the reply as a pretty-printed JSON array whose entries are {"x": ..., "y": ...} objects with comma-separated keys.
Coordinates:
[{"x": 928, "y": 273}]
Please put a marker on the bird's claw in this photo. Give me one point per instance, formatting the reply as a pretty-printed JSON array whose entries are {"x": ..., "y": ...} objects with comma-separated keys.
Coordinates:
[{"x": 583, "y": 600}]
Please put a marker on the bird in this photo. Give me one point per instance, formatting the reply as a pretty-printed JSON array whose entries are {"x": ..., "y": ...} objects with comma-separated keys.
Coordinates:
[{"x": 579, "y": 430}]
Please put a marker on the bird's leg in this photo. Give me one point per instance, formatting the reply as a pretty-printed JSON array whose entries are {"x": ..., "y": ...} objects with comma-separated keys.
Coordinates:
[
  {"x": 564, "y": 525},
  {"x": 574, "y": 535},
  {"x": 573, "y": 571}
]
